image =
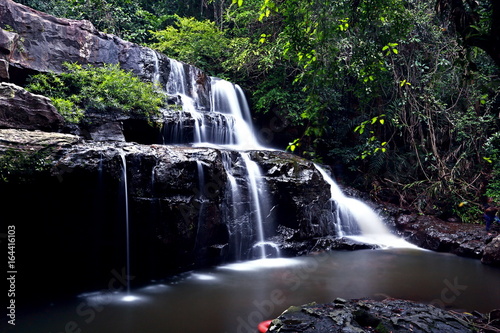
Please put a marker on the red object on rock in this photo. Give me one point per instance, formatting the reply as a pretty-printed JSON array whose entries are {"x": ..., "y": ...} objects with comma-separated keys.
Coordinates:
[{"x": 264, "y": 326}]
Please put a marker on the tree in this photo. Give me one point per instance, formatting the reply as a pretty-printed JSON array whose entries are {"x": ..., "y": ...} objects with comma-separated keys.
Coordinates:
[{"x": 476, "y": 21}]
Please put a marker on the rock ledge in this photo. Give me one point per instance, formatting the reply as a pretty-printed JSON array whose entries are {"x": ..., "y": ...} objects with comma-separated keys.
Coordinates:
[{"x": 389, "y": 315}]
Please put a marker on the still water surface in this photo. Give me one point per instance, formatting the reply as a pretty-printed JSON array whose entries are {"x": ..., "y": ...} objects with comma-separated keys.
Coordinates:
[{"x": 235, "y": 298}]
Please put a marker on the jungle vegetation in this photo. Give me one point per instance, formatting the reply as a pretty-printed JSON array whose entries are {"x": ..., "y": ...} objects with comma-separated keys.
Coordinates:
[{"x": 399, "y": 97}]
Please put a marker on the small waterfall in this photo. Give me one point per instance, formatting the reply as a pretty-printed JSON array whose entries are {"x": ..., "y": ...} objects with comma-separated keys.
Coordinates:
[
  {"x": 156, "y": 70},
  {"x": 236, "y": 226},
  {"x": 201, "y": 196},
  {"x": 254, "y": 179},
  {"x": 229, "y": 101},
  {"x": 227, "y": 122},
  {"x": 246, "y": 208},
  {"x": 356, "y": 220},
  {"x": 179, "y": 84},
  {"x": 127, "y": 231}
]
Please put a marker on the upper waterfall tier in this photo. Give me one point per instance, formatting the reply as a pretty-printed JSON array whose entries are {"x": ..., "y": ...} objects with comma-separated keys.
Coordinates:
[{"x": 221, "y": 118}]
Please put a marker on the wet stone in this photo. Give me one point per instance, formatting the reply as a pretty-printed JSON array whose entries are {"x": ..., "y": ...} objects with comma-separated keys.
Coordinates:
[{"x": 366, "y": 315}]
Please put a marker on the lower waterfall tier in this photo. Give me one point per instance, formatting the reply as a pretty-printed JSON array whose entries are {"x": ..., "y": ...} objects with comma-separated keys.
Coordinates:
[{"x": 75, "y": 195}]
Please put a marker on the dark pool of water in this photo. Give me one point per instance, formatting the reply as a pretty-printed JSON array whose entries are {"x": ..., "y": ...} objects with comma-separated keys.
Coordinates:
[{"x": 235, "y": 298}]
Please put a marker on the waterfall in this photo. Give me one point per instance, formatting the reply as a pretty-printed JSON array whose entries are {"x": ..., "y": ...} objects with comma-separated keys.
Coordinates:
[
  {"x": 227, "y": 124},
  {"x": 238, "y": 228},
  {"x": 254, "y": 179},
  {"x": 356, "y": 220},
  {"x": 178, "y": 84},
  {"x": 228, "y": 99},
  {"x": 127, "y": 232},
  {"x": 201, "y": 194},
  {"x": 156, "y": 69},
  {"x": 228, "y": 120},
  {"x": 246, "y": 208}
]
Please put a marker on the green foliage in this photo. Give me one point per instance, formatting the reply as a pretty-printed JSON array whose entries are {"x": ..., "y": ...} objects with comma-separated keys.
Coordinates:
[
  {"x": 67, "y": 108},
  {"x": 492, "y": 158},
  {"x": 200, "y": 43},
  {"x": 17, "y": 166},
  {"x": 125, "y": 18},
  {"x": 99, "y": 89}
]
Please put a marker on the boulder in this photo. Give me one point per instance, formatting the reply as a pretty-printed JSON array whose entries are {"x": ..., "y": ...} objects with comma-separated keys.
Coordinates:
[
  {"x": 21, "y": 109},
  {"x": 367, "y": 315},
  {"x": 491, "y": 255},
  {"x": 432, "y": 233}
]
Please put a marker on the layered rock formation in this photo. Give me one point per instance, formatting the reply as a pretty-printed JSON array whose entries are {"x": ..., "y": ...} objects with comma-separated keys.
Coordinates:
[{"x": 390, "y": 315}]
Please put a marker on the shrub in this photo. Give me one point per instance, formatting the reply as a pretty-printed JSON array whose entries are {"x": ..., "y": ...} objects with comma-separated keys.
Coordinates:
[
  {"x": 99, "y": 89},
  {"x": 492, "y": 150}
]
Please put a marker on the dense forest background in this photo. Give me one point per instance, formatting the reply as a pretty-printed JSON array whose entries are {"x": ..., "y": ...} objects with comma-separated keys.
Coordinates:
[{"x": 399, "y": 97}]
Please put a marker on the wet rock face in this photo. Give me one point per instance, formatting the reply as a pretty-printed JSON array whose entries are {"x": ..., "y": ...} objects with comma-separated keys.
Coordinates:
[
  {"x": 432, "y": 233},
  {"x": 367, "y": 315},
  {"x": 301, "y": 206},
  {"x": 174, "y": 219}
]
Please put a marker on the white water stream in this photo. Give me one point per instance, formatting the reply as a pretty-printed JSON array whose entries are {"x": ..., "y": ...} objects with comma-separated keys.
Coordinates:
[{"x": 228, "y": 124}]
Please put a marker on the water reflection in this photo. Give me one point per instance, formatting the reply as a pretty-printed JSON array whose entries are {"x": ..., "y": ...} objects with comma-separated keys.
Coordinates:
[{"x": 234, "y": 298}]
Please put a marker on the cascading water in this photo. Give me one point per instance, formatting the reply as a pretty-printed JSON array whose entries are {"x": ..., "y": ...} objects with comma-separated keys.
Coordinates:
[
  {"x": 178, "y": 83},
  {"x": 255, "y": 182},
  {"x": 228, "y": 121},
  {"x": 227, "y": 124},
  {"x": 228, "y": 100},
  {"x": 127, "y": 230},
  {"x": 356, "y": 220},
  {"x": 201, "y": 197},
  {"x": 246, "y": 208}
]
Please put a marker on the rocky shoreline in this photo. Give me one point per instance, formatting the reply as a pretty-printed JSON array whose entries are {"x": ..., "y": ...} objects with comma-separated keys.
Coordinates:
[
  {"x": 425, "y": 231},
  {"x": 388, "y": 315}
]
